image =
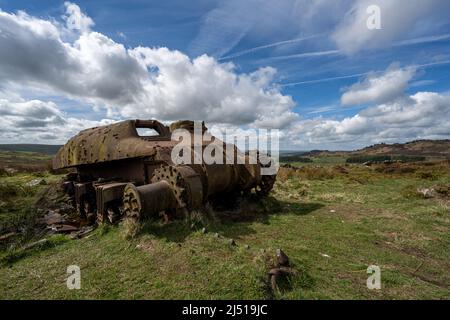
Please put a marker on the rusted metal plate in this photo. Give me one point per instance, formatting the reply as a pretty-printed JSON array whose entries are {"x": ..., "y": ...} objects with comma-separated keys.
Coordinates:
[
  {"x": 112, "y": 142},
  {"x": 119, "y": 171}
]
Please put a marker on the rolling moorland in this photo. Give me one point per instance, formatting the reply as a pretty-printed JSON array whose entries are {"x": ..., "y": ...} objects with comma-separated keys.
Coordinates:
[{"x": 331, "y": 216}]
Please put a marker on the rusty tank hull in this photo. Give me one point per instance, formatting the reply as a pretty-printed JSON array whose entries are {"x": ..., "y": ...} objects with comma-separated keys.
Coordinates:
[{"x": 119, "y": 173}]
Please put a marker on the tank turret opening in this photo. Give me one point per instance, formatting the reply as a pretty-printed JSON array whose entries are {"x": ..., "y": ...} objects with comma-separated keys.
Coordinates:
[{"x": 146, "y": 132}]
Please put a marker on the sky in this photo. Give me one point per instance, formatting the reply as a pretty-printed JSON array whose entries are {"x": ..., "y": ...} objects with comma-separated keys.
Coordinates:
[{"x": 311, "y": 69}]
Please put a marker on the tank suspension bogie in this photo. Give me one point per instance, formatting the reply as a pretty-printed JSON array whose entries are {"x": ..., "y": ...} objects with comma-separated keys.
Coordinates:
[{"x": 121, "y": 173}]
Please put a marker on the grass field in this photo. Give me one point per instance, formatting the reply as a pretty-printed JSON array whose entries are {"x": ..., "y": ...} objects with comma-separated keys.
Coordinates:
[
  {"x": 332, "y": 220},
  {"x": 23, "y": 161}
]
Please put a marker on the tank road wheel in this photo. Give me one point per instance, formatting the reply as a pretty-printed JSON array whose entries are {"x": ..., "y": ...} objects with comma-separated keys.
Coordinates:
[
  {"x": 171, "y": 188},
  {"x": 148, "y": 200},
  {"x": 266, "y": 184},
  {"x": 131, "y": 205},
  {"x": 184, "y": 181}
]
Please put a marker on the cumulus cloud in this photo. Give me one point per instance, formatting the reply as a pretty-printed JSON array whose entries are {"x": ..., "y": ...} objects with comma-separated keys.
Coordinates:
[
  {"x": 37, "y": 121},
  {"x": 423, "y": 115},
  {"x": 204, "y": 89},
  {"x": 397, "y": 19},
  {"x": 75, "y": 19},
  {"x": 379, "y": 87},
  {"x": 392, "y": 115},
  {"x": 136, "y": 82},
  {"x": 70, "y": 60}
]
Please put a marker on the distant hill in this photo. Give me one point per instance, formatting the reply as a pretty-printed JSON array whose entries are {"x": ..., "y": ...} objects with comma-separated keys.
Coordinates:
[
  {"x": 39, "y": 148},
  {"x": 438, "y": 148},
  {"x": 427, "y": 148}
]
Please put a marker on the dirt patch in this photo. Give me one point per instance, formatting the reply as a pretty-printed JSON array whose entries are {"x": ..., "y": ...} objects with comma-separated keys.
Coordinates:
[
  {"x": 58, "y": 213},
  {"x": 147, "y": 246},
  {"x": 54, "y": 197},
  {"x": 443, "y": 190}
]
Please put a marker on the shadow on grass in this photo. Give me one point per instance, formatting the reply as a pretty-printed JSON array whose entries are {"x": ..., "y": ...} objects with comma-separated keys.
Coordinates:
[
  {"x": 233, "y": 222},
  {"x": 260, "y": 210},
  {"x": 176, "y": 231},
  {"x": 10, "y": 256}
]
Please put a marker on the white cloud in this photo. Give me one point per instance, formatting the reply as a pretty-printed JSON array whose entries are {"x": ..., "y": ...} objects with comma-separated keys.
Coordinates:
[
  {"x": 231, "y": 21},
  {"x": 397, "y": 19},
  {"x": 75, "y": 19},
  {"x": 379, "y": 87},
  {"x": 204, "y": 89},
  {"x": 423, "y": 115},
  {"x": 392, "y": 117},
  {"x": 71, "y": 61},
  {"x": 36, "y": 121},
  {"x": 270, "y": 24},
  {"x": 138, "y": 82}
]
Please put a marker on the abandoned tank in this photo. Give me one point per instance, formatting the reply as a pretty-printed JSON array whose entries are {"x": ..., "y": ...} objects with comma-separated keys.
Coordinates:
[{"x": 122, "y": 173}]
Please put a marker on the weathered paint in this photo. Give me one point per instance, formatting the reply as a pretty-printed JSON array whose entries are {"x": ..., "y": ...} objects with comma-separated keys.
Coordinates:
[
  {"x": 115, "y": 167},
  {"x": 112, "y": 142}
]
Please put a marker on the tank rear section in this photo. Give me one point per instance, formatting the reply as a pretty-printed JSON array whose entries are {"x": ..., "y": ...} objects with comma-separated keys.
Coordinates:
[{"x": 119, "y": 172}]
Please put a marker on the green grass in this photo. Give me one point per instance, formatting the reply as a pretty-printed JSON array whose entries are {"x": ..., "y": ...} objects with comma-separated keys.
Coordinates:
[
  {"x": 17, "y": 199},
  {"x": 11, "y": 156},
  {"x": 17, "y": 212},
  {"x": 12, "y": 162},
  {"x": 31, "y": 148},
  {"x": 322, "y": 161},
  {"x": 358, "y": 218}
]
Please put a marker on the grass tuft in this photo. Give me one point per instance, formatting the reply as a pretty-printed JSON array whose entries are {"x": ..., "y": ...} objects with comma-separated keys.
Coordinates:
[
  {"x": 130, "y": 228},
  {"x": 332, "y": 222}
]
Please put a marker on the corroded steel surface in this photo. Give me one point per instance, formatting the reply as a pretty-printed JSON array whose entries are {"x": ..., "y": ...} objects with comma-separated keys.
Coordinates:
[
  {"x": 120, "y": 173},
  {"x": 112, "y": 142}
]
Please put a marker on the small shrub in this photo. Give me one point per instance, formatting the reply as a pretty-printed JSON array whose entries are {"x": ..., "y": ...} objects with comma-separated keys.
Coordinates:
[
  {"x": 8, "y": 190},
  {"x": 11, "y": 190},
  {"x": 426, "y": 175},
  {"x": 405, "y": 158},
  {"x": 382, "y": 158},
  {"x": 3, "y": 172},
  {"x": 341, "y": 170},
  {"x": 285, "y": 173},
  {"x": 362, "y": 159},
  {"x": 410, "y": 192},
  {"x": 442, "y": 189},
  {"x": 23, "y": 219},
  {"x": 396, "y": 168}
]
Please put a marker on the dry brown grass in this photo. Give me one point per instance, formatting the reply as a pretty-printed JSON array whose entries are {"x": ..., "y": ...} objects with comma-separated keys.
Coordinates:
[
  {"x": 307, "y": 172},
  {"x": 422, "y": 170},
  {"x": 130, "y": 228}
]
